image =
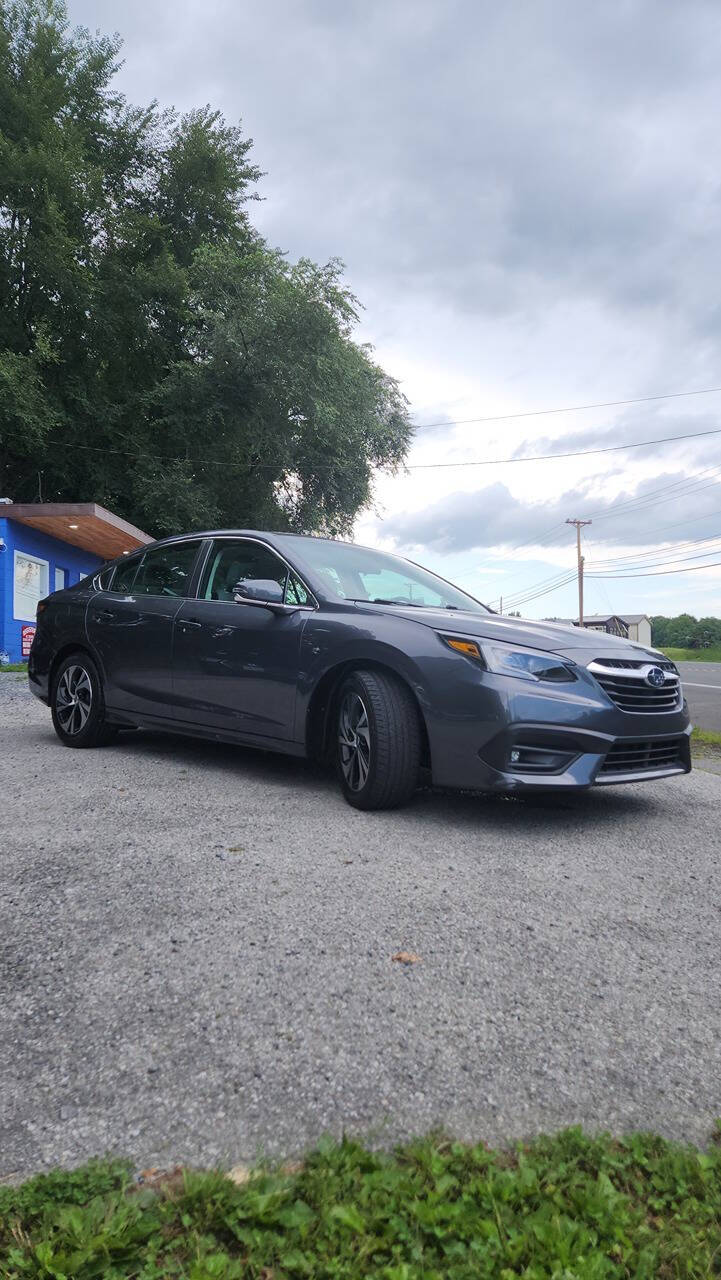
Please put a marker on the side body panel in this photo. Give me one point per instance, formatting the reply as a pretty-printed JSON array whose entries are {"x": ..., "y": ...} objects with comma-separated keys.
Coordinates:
[
  {"x": 235, "y": 667},
  {"x": 133, "y": 637}
]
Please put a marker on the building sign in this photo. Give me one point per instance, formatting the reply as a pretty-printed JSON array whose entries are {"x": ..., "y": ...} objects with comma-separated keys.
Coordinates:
[
  {"x": 30, "y": 585},
  {"x": 27, "y": 635}
]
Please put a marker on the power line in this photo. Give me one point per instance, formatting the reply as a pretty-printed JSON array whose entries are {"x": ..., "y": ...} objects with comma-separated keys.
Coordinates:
[
  {"x": 536, "y": 595},
  {"x": 605, "y": 569},
  {"x": 657, "y": 573},
  {"x": 612, "y": 561},
  {"x": 680, "y": 523},
  {"x": 597, "y": 568},
  {"x": 573, "y": 408},
  {"x": 539, "y": 589},
  {"x": 548, "y": 457},
  {"x": 413, "y": 466},
  {"x": 685, "y": 559},
  {"x": 643, "y": 499},
  {"x": 639, "y": 502}
]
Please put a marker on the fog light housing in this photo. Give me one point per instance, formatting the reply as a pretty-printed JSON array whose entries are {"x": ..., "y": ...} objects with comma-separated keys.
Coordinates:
[{"x": 528, "y": 759}]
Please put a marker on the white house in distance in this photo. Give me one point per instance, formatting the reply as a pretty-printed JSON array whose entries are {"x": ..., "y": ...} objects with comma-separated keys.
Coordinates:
[{"x": 632, "y": 626}]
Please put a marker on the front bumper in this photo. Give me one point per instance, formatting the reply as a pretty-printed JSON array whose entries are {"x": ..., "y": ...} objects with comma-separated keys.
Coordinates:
[
  {"x": 585, "y": 758},
  {"x": 565, "y": 738}
]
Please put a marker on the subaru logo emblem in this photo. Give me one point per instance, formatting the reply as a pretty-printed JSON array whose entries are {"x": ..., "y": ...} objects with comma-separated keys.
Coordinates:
[{"x": 655, "y": 677}]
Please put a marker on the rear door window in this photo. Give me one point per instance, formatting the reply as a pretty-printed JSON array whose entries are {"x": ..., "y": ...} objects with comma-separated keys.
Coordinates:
[{"x": 166, "y": 571}]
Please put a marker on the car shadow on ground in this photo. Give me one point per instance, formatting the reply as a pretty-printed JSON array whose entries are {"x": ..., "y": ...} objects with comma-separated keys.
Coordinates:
[{"x": 434, "y": 806}]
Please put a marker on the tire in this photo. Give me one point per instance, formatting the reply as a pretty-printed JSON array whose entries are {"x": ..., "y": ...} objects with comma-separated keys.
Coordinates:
[
  {"x": 77, "y": 704},
  {"x": 377, "y": 740}
]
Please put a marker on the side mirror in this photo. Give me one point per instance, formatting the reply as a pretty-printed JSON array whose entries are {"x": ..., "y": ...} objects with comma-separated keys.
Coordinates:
[{"x": 258, "y": 591}]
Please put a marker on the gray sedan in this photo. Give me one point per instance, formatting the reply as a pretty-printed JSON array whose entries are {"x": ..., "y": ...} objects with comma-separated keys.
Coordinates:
[{"x": 322, "y": 648}]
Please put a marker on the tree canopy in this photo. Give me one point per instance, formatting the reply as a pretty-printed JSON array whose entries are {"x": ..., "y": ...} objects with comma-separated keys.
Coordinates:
[
  {"x": 685, "y": 632},
  {"x": 156, "y": 354}
]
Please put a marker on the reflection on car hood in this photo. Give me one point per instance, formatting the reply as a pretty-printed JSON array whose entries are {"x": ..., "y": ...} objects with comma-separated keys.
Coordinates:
[{"x": 553, "y": 637}]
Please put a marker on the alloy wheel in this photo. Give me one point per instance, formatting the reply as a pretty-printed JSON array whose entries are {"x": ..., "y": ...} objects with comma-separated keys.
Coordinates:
[
  {"x": 354, "y": 741},
  {"x": 73, "y": 699}
]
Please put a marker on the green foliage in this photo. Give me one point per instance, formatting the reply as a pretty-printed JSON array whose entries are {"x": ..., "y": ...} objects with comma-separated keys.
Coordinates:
[
  {"x": 713, "y": 654},
  {"x": 685, "y": 632},
  {"x": 30, "y": 1201},
  {"x": 706, "y": 744},
  {"x": 156, "y": 354},
  {"x": 557, "y": 1208}
]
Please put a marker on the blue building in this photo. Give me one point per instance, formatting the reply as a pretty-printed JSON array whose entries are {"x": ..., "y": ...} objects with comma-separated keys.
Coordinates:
[{"x": 45, "y": 546}]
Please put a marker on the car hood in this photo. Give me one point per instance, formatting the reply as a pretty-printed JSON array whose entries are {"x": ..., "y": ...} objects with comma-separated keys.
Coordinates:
[{"x": 553, "y": 637}]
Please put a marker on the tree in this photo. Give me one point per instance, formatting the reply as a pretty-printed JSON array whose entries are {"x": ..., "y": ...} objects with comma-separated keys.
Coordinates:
[
  {"x": 156, "y": 354},
  {"x": 685, "y": 632}
]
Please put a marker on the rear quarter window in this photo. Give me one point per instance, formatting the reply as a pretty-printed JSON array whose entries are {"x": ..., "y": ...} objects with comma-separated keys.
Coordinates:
[{"x": 123, "y": 576}]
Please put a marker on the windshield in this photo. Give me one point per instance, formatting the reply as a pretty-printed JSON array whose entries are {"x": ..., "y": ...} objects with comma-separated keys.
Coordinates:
[{"x": 362, "y": 574}]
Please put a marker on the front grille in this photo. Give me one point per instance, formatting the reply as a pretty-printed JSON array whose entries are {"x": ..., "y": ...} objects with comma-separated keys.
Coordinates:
[
  {"x": 663, "y": 663},
  {"x": 641, "y": 757},
  {"x": 626, "y": 684}
]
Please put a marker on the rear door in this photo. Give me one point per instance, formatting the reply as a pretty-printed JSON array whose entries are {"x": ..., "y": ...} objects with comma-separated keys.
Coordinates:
[
  {"x": 236, "y": 665},
  {"x": 130, "y": 627}
]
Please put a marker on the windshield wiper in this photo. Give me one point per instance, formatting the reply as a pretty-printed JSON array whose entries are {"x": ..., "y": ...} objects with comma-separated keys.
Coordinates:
[
  {"x": 402, "y": 604},
  {"x": 405, "y": 604},
  {"x": 411, "y": 604}
]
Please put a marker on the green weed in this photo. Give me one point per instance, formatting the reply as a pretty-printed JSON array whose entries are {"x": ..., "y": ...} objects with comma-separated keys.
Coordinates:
[{"x": 556, "y": 1208}]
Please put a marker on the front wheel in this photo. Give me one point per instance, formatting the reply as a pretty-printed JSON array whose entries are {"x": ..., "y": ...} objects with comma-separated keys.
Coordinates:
[
  {"x": 378, "y": 740},
  {"x": 77, "y": 704}
]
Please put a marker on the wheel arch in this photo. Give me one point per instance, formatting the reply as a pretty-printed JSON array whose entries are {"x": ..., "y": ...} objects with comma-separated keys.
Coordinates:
[
  {"x": 65, "y": 650},
  {"x": 323, "y": 700}
]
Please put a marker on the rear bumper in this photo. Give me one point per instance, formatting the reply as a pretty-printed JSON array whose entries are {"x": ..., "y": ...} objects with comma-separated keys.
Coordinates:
[{"x": 39, "y": 673}]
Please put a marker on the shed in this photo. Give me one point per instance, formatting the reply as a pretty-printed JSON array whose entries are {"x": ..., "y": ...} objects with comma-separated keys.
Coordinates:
[
  {"x": 44, "y": 547},
  {"x": 632, "y": 626}
]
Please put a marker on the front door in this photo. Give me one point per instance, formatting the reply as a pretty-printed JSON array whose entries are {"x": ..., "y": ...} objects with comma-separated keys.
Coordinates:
[
  {"x": 235, "y": 665},
  {"x": 130, "y": 627}
]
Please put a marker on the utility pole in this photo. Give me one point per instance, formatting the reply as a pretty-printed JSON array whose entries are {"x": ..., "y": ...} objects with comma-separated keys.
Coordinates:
[
  {"x": 579, "y": 524},
  {"x": 501, "y": 605}
]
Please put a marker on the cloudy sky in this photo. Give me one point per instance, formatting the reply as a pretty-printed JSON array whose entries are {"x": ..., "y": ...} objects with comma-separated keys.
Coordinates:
[{"x": 527, "y": 196}]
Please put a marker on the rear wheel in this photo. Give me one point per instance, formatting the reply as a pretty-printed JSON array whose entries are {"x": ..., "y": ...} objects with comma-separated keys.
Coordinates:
[
  {"x": 77, "y": 704},
  {"x": 377, "y": 740}
]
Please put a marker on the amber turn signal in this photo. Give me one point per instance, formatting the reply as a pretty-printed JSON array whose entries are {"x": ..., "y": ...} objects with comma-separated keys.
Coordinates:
[{"x": 469, "y": 647}]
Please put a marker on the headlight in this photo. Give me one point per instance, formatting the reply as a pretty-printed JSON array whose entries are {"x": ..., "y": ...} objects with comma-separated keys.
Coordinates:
[{"x": 511, "y": 660}]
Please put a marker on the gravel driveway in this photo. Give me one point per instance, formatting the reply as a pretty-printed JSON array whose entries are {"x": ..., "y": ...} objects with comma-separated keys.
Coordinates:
[{"x": 196, "y": 945}]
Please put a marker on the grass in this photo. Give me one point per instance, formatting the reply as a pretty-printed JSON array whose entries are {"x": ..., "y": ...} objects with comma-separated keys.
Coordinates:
[
  {"x": 13, "y": 666},
  {"x": 712, "y": 654},
  {"x": 706, "y": 743},
  {"x": 557, "y": 1208}
]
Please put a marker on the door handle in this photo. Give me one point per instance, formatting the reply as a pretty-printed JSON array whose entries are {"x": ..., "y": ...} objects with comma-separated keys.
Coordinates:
[
  {"x": 105, "y": 615},
  {"x": 188, "y": 623}
]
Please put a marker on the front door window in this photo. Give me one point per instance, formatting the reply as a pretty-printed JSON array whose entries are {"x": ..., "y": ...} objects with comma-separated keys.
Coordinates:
[{"x": 238, "y": 561}]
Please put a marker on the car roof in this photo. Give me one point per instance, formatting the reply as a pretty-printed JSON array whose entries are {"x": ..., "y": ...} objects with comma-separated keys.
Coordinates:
[{"x": 244, "y": 533}]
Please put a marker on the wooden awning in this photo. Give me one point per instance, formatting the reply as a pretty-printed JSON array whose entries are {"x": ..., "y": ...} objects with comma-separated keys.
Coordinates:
[{"x": 83, "y": 524}]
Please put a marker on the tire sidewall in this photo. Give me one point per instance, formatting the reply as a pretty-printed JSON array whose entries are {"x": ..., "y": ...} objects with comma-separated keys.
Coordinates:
[
  {"x": 353, "y": 684},
  {"x": 93, "y": 729}
]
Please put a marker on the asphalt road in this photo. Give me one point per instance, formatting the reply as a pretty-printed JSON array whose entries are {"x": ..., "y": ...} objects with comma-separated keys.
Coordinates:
[
  {"x": 196, "y": 949},
  {"x": 702, "y": 686}
]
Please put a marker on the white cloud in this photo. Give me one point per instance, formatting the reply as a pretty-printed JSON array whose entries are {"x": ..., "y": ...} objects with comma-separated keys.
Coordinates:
[{"x": 528, "y": 200}]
